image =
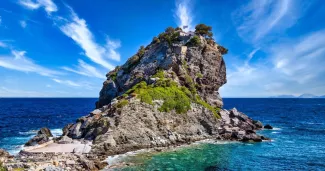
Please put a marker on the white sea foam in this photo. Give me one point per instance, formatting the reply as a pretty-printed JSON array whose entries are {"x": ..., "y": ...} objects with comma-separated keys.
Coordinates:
[
  {"x": 277, "y": 129},
  {"x": 275, "y": 132},
  {"x": 30, "y": 132},
  {"x": 56, "y": 132}
]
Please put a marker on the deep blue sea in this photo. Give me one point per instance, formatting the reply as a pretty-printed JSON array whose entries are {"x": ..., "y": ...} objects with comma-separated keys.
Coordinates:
[{"x": 298, "y": 138}]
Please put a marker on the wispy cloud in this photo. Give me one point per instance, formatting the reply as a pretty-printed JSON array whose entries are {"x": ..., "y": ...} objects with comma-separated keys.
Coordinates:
[
  {"x": 9, "y": 92},
  {"x": 301, "y": 59},
  {"x": 77, "y": 29},
  {"x": 48, "y": 5},
  {"x": 85, "y": 69},
  {"x": 23, "y": 24},
  {"x": 259, "y": 18},
  {"x": 292, "y": 67},
  {"x": 19, "y": 62},
  {"x": 183, "y": 14},
  {"x": 66, "y": 82},
  {"x": 3, "y": 45}
]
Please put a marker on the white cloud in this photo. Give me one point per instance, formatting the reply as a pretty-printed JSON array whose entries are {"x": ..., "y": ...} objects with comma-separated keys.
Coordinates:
[
  {"x": 3, "y": 45},
  {"x": 23, "y": 24},
  {"x": 183, "y": 14},
  {"x": 86, "y": 70},
  {"x": 259, "y": 18},
  {"x": 19, "y": 62},
  {"x": 77, "y": 30},
  {"x": 48, "y": 5},
  {"x": 9, "y": 92},
  {"x": 66, "y": 82},
  {"x": 251, "y": 55},
  {"x": 293, "y": 67},
  {"x": 302, "y": 59}
]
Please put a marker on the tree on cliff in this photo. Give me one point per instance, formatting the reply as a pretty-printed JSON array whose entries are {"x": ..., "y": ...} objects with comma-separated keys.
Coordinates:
[{"x": 204, "y": 30}]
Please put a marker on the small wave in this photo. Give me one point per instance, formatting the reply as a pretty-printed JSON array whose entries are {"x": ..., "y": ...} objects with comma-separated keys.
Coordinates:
[
  {"x": 314, "y": 123},
  {"x": 31, "y": 132},
  {"x": 277, "y": 129},
  {"x": 275, "y": 132},
  {"x": 15, "y": 149}
]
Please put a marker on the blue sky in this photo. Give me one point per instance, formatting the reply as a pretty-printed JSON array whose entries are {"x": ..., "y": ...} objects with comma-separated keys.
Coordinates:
[{"x": 57, "y": 48}]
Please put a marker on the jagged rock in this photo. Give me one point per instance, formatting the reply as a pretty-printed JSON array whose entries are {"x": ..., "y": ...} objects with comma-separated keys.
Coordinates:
[
  {"x": 45, "y": 131},
  {"x": 65, "y": 140},
  {"x": 258, "y": 124},
  {"x": 268, "y": 126},
  {"x": 43, "y": 136},
  {"x": 127, "y": 121},
  {"x": 66, "y": 129},
  {"x": 87, "y": 164},
  {"x": 4, "y": 155},
  {"x": 205, "y": 66}
]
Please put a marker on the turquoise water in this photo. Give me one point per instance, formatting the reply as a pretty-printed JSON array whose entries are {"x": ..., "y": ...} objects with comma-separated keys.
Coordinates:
[{"x": 298, "y": 141}]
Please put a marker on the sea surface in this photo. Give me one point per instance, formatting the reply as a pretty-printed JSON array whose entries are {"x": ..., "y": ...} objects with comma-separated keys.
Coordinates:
[{"x": 298, "y": 140}]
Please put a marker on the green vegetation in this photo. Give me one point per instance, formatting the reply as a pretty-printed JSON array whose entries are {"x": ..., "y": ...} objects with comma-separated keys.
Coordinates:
[
  {"x": 122, "y": 103},
  {"x": 214, "y": 110},
  {"x": 135, "y": 59},
  {"x": 175, "y": 97},
  {"x": 194, "y": 41},
  {"x": 159, "y": 74},
  {"x": 2, "y": 168},
  {"x": 155, "y": 40},
  {"x": 170, "y": 35},
  {"x": 204, "y": 30},
  {"x": 178, "y": 29},
  {"x": 141, "y": 51},
  {"x": 167, "y": 90},
  {"x": 222, "y": 50},
  {"x": 199, "y": 75}
]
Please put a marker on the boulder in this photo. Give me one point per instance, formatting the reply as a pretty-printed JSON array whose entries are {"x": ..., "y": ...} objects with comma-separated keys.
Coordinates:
[
  {"x": 258, "y": 124},
  {"x": 65, "y": 140},
  {"x": 87, "y": 164},
  {"x": 267, "y": 126},
  {"x": 43, "y": 136},
  {"x": 45, "y": 131},
  {"x": 4, "y": 155},
  {"x": 66, "y": 129}
]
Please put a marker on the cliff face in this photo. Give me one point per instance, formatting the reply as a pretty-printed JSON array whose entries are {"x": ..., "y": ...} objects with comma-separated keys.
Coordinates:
[{"x": 181, "y": 60}]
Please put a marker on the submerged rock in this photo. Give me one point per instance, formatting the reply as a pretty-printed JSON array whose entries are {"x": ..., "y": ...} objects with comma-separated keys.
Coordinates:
[{"x": 268, "y": 126}]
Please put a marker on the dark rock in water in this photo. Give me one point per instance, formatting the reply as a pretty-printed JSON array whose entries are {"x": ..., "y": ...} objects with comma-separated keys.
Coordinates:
[
  {"x": 267, "y": 126},
  {"x": 43, "y": 136}
]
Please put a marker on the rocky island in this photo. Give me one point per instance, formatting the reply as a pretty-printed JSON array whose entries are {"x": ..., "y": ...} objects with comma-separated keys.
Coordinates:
[{"x": 165, "y": 95}]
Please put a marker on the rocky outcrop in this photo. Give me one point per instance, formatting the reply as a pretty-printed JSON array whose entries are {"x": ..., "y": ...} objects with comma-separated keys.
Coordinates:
[
  {"x": 238, "y": 126},
  {"x": 167, "y": 94},
  {"x": 201, "y": 63},
  {"x": 268, "y": 126},
  {"x": 4, "y": 155},
  {"x": 43, "y": 135}
]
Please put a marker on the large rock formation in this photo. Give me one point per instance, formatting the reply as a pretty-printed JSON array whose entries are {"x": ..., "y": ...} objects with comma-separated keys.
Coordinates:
[
  {"x": 164, "y": 95},
  {"x": 181, "y": 60}
]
